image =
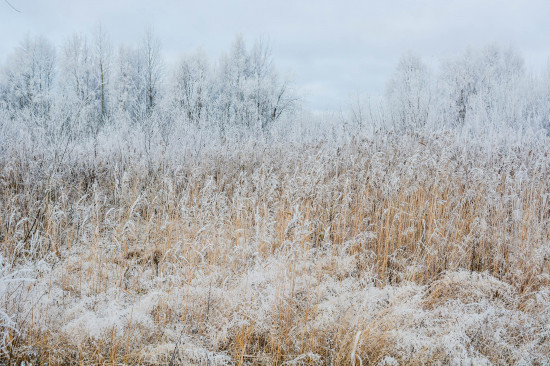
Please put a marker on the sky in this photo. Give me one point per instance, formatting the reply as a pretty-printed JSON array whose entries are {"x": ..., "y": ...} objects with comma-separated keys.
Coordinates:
[{"x": 333, "y": 51}]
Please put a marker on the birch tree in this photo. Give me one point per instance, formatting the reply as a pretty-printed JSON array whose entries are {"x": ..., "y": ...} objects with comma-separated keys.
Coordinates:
[{"x": 408, "y": 93}]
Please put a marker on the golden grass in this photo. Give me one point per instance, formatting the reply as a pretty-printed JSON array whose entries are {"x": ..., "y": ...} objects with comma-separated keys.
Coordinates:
[{"x": 279, "y": 254}]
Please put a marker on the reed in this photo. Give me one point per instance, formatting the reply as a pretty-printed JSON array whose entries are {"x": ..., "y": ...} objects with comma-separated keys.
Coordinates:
[{"x": 371, "y": 251}]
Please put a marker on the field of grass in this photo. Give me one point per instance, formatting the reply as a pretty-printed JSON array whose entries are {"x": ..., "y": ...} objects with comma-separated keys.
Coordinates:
[{"x": 394, "y": 249}]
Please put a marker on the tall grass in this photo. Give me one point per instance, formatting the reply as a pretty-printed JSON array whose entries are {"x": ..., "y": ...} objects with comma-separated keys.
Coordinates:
[{"x": 389, "y": 249}]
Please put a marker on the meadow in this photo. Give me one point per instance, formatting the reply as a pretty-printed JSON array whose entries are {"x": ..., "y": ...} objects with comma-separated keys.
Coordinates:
[{"x": 384, "y": 248}]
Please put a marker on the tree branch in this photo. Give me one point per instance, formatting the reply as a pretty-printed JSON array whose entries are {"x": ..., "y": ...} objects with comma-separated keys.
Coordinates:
[{"x": 11, "y": 6}]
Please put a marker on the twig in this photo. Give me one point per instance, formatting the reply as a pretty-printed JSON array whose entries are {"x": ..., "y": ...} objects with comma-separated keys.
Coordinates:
[
  {"x": 11, "y": 6},
  {"x": 176, "y": 348}
]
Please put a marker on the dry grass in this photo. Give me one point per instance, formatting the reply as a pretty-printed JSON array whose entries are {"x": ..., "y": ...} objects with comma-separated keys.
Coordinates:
[{"x": 397, "y": 250}]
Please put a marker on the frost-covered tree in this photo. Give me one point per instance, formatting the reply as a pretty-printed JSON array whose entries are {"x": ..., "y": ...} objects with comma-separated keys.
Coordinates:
[
  {"x": 153, "y": 68},
  {"x": 191, "y": 90},
  {"x": 84, "y": 86},
  {"x": 137, "y": 80},
  {"x": 103, "y": 60},
  {"x": 271, "y": 98},
  {"x": 230, "y": 93},
  {"x": 408, "y": 93},
  {"x": 128, "y": 85},
  {"x": 480, "y": 87},
  {"x": 28, "y": 79},
  {"x": 249, "y": 93}
]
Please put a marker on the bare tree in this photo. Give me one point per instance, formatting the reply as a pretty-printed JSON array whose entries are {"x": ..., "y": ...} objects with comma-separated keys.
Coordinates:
[
  {"x": 153, "y": 68},
  {"x": 103, "y": 65}
]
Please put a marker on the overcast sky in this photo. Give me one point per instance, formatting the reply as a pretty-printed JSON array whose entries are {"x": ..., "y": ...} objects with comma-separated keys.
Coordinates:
[{"x": 332, "y": 49}]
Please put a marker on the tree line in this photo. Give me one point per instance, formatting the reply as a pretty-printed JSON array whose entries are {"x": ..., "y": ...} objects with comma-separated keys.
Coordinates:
[
  {"x": 479, "y": 89},
  {"x": 86, "y": 83}
]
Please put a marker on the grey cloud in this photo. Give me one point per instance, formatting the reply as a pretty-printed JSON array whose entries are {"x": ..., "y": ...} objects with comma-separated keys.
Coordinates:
[{"x": 334, "y": 48}]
